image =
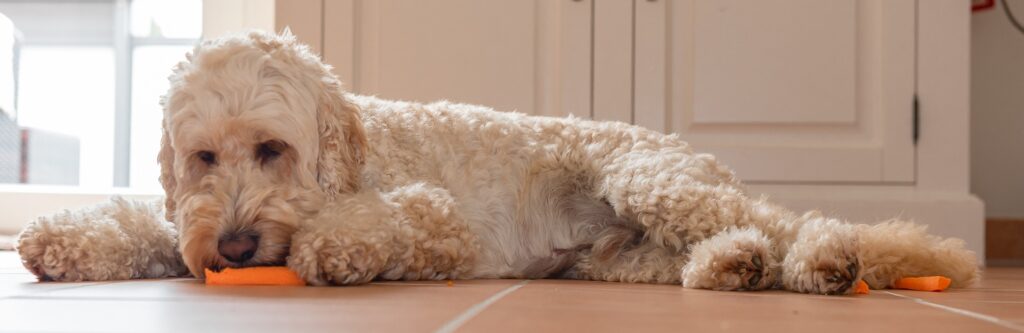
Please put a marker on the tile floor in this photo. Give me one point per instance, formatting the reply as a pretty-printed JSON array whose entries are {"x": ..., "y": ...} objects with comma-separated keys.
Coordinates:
[{"x": 186, "y": 305}]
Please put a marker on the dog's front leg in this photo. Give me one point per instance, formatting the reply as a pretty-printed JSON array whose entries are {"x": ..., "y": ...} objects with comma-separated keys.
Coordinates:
[
  {"x": 413, "y": 232},
  {"x": 118, "y": 240}
]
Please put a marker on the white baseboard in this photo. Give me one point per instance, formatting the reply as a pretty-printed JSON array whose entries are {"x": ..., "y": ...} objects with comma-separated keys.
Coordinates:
[{"x": 947, "y": 214}]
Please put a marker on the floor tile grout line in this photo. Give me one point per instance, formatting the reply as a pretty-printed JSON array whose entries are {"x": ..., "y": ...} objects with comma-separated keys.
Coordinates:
[
  {"x": 962, "y": 312},
  {"x": 476, "y": 309},
  {"x": 995, "y": 290}
]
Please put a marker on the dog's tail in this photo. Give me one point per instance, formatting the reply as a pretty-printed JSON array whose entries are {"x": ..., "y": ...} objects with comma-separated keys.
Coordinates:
[{"x": 895, "y": 249}]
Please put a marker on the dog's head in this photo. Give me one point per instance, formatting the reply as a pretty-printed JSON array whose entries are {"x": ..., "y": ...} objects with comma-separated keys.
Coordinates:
[{"x": 257, "y": 133}]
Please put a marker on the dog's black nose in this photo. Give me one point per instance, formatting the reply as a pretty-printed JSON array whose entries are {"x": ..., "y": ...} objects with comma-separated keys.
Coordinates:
[{"x": 238, "y": 248}]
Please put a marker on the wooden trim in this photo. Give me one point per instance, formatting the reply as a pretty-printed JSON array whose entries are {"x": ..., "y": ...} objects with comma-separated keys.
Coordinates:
[{"x": 1004, "y": 242}]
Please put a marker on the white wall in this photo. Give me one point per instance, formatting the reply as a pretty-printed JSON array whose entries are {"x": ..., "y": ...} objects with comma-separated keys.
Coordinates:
[
  {"x": 229, "y": 16},
  {"x": 997, "y": 111},
  {"x": 23, "y": 204}
]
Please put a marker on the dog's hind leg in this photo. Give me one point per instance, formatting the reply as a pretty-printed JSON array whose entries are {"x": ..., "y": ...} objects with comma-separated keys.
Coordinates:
[
  {"x": 680, "y": 199},
  {"x": 829, "y": 255},
  {"x": 734, "y": 259},
  {"x": 118, "y": 240},
  {"x": 644, "y": 263},
  {"x": 677, "y": 197},
  {"x": 824, "y": 258}
]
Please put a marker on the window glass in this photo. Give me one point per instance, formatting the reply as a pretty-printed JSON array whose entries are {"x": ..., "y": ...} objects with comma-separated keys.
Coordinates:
[
  {"x": 64, "y": 60},
  {"x": 151, "y": 67},
  {"x": 66, "y": 115},
  {"x": 169, "y": 19}
]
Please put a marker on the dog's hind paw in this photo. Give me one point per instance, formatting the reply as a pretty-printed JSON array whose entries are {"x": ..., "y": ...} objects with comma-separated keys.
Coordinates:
[
  {"x": 824, "y": 259},
  {"x": 735, "y": 259}
]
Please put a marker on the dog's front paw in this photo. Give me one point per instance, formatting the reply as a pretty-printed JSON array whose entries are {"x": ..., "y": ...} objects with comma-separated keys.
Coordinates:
[
  {"x": 738, "y": 259},
  {"x": 112, "y": 241},
  {"x": 350, "y": 242},
  {"x": 335, "y": 259},
  {"x": 823, "y": 260}
]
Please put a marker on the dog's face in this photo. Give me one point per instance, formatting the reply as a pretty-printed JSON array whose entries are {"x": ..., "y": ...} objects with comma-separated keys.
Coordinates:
[{"x": 257, "y": 135}]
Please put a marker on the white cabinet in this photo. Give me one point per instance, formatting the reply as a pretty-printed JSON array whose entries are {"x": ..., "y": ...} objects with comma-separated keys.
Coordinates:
[
  {"x": 783, "y": 90},
  {"x": 812, "y": 101},
  {"x": 529, "y": 56}
]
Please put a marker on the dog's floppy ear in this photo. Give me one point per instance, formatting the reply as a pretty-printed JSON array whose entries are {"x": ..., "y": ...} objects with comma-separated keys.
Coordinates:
[
  {"x": 166, "y": 155},
  {"x": 166, "y": 160},
  {"x": 342, "y": 145},
  {"x": 342, "y": 140}
]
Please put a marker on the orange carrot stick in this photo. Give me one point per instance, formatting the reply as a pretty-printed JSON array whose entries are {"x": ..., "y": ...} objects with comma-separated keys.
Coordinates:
[
  {"x": 254, "y": 276},
  {"x": 862, "y": 287},
  {"x": 924, "y": 283}
]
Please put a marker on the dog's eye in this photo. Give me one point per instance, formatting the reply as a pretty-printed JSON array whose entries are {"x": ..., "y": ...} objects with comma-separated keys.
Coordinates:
[
  {"x": 270, "y": 150},
  {"x": 207, "y": 157}
]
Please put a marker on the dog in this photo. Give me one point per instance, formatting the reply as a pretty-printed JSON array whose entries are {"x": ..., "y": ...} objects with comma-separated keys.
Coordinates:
[{"x": 266, "y": 160}]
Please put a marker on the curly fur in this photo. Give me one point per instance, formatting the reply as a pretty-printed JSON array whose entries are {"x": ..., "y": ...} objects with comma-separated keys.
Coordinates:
[
  {"x": 361, "y": 188},
  {"x": 116, "y": 241}
]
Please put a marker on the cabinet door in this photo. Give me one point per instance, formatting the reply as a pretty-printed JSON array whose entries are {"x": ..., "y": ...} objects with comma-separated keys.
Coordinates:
[
  {"x": 783, "y": 90},
  {"x": 526, "y": 56}
]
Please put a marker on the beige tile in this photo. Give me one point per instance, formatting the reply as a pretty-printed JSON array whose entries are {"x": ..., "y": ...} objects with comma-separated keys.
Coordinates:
[
  {"x": 15, "y": 280},
  {"x": 186, "y": 306},
  {"x": 10, "y": 263},
  {"x": 1002, "y": 278},
  {"x": 560, "y": 306},
  {"x": 1012, "y": 312},
  {"x": 12, "y": 285},
  {"x": 543, "y": 305},
  {"x": 240, "y": 315},
  {"x": 969, "y": 295},
  {"x": 1000, "y": 294},
  {"x": 194, "y": 290}
]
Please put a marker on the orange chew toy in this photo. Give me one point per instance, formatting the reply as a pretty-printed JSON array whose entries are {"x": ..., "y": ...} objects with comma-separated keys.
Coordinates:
[
  {"x": 924, "y": 283},
  {"x": 861, "y": 287},
  {"x": 254, "y": 276}
]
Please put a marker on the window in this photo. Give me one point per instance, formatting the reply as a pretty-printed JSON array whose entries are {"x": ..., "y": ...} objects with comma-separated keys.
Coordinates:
[{"x": 83, "y": 106}]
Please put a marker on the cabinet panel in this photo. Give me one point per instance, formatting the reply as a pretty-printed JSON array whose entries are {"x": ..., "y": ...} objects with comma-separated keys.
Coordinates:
[
  {"x": 613, "y": 60},
  {"x": 783, "y": 91},
  {"x": 790, "y": 61},
  {"x": 649, "y": 66},
  {"x": 510, "y": 55},
  {"x": 793, "y": 90},
  {"x": 475, "y": 51}
]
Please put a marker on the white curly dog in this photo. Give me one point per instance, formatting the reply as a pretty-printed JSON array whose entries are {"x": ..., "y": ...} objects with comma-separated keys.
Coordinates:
[{"x": 267, "y": 161}]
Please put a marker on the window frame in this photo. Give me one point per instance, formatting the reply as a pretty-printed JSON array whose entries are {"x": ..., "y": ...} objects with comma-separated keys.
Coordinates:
[
  {"x": 124, "y": 47},
  {"x": 25, "y": 202}
]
